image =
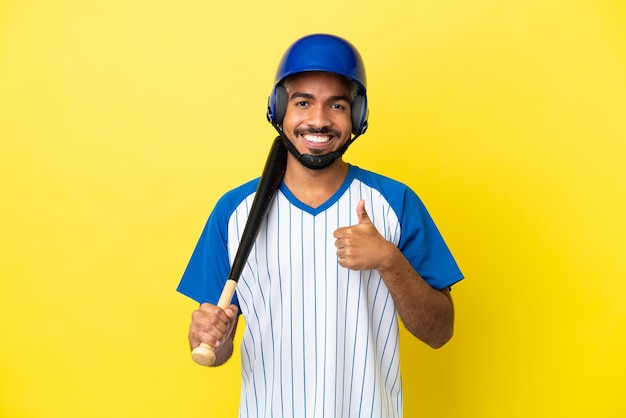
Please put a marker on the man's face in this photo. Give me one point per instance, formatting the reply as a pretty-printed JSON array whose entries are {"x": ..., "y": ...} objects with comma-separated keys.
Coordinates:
[{"x": 317, "y": 119}]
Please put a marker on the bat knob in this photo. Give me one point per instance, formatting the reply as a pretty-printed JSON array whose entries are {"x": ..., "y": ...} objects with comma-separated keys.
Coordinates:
[{"x": 203, "y": 355}]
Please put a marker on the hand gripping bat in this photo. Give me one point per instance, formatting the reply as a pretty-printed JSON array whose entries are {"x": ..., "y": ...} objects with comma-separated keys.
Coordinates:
[{"x": 268, "y": 184}]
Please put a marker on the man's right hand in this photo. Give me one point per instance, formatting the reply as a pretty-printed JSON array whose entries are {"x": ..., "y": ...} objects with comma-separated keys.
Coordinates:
[{"x": 215, "y": 327}]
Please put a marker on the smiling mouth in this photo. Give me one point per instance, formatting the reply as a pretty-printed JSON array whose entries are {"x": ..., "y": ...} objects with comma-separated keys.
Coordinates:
[
  {"x": 317, "y": 139},
  {"x": 317, "y": 136}
]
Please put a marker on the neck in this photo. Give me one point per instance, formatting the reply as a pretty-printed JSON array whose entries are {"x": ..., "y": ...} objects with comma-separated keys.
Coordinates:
[{"x": 314, "y": 187}]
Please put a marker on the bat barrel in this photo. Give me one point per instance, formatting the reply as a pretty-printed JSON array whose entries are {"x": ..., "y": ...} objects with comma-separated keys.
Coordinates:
[{"x": 269, "y": 182}]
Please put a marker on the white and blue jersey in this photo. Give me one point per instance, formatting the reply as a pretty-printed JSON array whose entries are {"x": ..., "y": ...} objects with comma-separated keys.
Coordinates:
[{"x": 321, "y": 340}]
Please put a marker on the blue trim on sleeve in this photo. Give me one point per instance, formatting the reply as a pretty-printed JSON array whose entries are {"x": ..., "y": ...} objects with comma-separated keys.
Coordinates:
[
  {"x": 420, "y": 240},
  {"x": 207, "y": 270}
]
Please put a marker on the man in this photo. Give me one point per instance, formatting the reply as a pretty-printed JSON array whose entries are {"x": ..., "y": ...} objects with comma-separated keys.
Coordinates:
[{"x": 342, "y": 254}]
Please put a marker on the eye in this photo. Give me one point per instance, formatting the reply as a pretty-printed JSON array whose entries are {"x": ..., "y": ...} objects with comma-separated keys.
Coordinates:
[
  {"x": 338, "y": 106},
  {"x": 301, "y": 103}
]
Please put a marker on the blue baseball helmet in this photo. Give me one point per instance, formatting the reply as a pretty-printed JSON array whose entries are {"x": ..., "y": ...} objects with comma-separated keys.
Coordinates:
[{"x": 321, "y": 52}]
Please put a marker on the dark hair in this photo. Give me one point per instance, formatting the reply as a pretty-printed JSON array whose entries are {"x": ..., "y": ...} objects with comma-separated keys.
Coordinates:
[{"x": 355, "y": 90}]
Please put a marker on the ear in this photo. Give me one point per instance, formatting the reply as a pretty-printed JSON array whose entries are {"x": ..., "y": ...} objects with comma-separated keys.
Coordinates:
[
  {"x": 281, "y": 98},
  {"x": 359, "y": 115}
]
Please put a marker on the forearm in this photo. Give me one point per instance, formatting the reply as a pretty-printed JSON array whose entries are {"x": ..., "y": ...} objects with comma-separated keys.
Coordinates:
[{"x": 426, "y": 312}]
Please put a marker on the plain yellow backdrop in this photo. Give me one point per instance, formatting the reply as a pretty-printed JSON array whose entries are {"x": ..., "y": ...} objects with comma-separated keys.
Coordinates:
[{"x": 122, "y": 122}]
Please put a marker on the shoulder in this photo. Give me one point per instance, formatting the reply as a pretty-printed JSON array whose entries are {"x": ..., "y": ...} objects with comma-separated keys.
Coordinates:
[
  {"x": 233, "y": 198},
  {"x": 394, "y": 191},
  {"x": 228, "y": 203},
  {"x": 402, "y": 201},
  {"x": 376, "y": 179}
]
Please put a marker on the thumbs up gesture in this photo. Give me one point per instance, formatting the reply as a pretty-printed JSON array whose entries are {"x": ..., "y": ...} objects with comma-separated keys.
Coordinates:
[{"x": 360, "y": 246}]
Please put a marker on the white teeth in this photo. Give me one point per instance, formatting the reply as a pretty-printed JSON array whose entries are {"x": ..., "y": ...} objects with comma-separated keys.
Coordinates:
[{"x": 316, "y": 138}]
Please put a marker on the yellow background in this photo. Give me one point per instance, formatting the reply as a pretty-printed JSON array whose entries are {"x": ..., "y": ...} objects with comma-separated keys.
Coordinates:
[{"x": 122, "y": 122}]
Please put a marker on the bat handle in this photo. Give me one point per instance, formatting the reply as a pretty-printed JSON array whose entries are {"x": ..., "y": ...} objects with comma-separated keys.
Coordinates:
[{"x": 204, "y": 354}]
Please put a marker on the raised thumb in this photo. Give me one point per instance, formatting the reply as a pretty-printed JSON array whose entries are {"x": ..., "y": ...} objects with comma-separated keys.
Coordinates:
[{"x": 361, "y": 213}]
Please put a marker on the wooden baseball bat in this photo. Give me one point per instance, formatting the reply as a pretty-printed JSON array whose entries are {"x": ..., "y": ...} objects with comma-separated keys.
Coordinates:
[{"x": 268, "y": 184}]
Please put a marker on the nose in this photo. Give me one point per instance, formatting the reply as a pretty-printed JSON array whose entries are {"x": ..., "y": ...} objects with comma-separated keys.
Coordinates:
[{"x": 319, "y": 118}]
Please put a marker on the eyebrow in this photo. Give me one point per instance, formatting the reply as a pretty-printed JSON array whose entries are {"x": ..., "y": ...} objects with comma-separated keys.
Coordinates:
[{"x": 299, "y": 95}]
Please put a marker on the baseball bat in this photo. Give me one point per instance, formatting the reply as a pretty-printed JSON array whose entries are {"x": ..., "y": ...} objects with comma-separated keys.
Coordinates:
[{"x": 268, "y": 184}]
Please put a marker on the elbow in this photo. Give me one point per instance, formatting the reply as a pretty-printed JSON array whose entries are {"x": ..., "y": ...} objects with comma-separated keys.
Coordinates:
[
  {"x": 436, "y": 327},
  {"x": 440, "y": 340},
  {"x": 434, "y": 338},
  {"x": 437, "y": 337},
  {"x": 443, "y": 329}
]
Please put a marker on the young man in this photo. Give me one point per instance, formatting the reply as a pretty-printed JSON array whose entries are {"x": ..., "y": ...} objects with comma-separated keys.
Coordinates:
[{"x": 343, "y": 252}]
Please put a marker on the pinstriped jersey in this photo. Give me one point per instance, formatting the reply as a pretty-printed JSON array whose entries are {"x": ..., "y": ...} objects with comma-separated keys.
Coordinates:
[{"x": 321, "y": 340}]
